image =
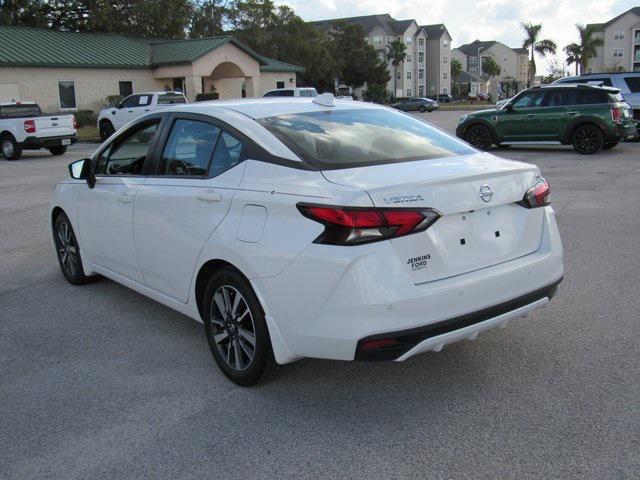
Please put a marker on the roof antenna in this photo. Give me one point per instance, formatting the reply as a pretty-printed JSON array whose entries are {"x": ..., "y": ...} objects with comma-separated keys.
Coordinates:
[{"x": 326, "y": 100}]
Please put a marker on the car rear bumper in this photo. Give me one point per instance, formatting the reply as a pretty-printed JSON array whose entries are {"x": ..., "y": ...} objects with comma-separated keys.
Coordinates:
[
  {"x": 349, "y": 295},
  {"x": 35, "y": 143},
  {"x": 627, "y": 130}
]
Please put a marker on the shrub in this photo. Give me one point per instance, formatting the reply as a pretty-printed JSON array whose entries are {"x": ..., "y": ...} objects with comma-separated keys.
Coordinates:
[
  {"x": 85, "y": 118},
  {"x": 113, "y": 100},
  {"x": 201, "y": 97}
]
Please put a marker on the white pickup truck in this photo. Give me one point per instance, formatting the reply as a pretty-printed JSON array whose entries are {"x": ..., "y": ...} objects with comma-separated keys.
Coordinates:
[
  {"x": 113, "y": 118},
  {"x": 23, "y": 127}
]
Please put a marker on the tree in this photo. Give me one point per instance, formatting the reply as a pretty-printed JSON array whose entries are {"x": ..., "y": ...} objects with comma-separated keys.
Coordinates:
[
  {"x": 556, "y": 71},
  {"x": 541, "y": 47},
  {"x": 358, "y": 62},
  {"x": 580, "y": 53},
  {"x": 396, "y": 54},
  {"x": 207, "y": 18},
  {"x": 490, "y": 67},
  {"x": 25, "y": 13},
  {"x": 456, "y": 68}
]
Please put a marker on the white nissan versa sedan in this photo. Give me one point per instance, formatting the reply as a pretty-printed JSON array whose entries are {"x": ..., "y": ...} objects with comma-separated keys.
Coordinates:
[{"x": 310, "y": 228}]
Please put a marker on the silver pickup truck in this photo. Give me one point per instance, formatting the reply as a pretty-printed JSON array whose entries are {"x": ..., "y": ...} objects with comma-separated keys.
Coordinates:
[{"x": 23, "y": 127}]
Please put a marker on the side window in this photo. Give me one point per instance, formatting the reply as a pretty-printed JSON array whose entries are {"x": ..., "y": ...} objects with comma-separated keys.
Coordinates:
[
  {"x": 130, "y": 102},
  {"x": 286, "y": 93},
  {"x": 591, "y": 97},
  {"x": 272, "y": 93},
  {"x": 143, "y": 101},
  {"x": 633, "y": 83},
  {"x": 306, "y": 93},
  {"x": 127, "y": 156},
  {"x": 228, "y": 154},
  {"x": 189, "y": 148},
  {"x": 559, "y": 98},
  {"x": 529, "y": 100}
]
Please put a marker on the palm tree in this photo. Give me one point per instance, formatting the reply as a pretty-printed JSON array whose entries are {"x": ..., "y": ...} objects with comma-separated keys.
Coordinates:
[
  {"x": 581, "y": 53},
  {"x": 397, "y": 52},
  {"x": 541, "y": 47},
  {"x": 490, "y": 67}
]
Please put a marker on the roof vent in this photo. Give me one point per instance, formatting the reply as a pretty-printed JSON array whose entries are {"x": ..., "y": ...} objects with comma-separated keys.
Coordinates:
[{"x": 326, "y": 100}]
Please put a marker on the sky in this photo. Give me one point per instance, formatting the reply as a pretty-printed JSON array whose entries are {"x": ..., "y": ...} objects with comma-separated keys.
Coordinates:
[{"x": 468, "y": 20}]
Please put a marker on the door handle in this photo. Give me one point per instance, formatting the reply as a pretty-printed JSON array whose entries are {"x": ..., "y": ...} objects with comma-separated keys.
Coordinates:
[
  {"x": 209, "y": 195},
  {"x": 124, "y": 198},
  {"x": 573, "y": 113},
  {"x": 531, "y": 114}
]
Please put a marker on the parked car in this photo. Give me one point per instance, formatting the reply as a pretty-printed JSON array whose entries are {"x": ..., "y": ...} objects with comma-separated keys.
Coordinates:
[
  {"x": 113, "y": 118},
  {"x": 316, "y": 228},
  {"x": 24, "y": 127},
  {"x": 292, "y": 92},
  {"x": 442, "y": 98},
  {"x": 627, "y": 82},
  {"x": 588, "y": 117},
  {"x": 416, "y": 104}
]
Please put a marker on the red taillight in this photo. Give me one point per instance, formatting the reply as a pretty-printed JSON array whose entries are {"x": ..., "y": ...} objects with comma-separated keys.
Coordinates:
[
  {"x": 30, "y": 126},
  {"x": 537, "y": 196},
  {"x": 616, "y": 114},
  {"x": 355, "y": 226},
  {"x": 75, "y": 123}
]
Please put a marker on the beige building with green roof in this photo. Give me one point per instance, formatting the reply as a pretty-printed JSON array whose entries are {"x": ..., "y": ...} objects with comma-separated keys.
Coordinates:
[{"x": 74, "y": 71}]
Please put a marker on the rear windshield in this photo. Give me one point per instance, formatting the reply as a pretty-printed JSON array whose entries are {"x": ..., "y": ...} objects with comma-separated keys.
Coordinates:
[
  {"x": 165, "y": 98},
  {"x": 308, "y": 93},
  {"x": 19, "y": 111},
  {"x": 353, "y": 138},
  {"x": 633, "y": 83}
]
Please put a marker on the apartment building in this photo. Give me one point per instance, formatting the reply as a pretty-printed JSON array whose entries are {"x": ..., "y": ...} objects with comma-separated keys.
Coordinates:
[
  {"x": 426, "y": 68},
  {"x": 621, "y": 49},
  {"x": 513, "y": 63}
]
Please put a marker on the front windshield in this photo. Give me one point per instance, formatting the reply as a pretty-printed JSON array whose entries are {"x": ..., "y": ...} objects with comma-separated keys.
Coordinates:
[{"x": 353, "y": 138}]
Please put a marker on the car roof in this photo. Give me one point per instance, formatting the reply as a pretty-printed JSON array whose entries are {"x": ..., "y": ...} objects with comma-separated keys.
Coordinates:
[
  {"x": 577, "y": 85},
  {"x": 257, "y": 108}
]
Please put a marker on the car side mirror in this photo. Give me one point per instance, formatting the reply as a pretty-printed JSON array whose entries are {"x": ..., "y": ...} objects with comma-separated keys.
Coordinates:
[{"x": 82, "y": 170}]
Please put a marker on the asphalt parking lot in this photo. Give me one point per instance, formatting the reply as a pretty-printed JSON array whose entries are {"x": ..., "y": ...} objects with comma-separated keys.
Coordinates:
[{"x": 101, "y": 382}]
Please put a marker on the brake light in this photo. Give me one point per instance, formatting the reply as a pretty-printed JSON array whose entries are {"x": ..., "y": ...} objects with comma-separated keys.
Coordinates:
[
  {"x": 75, "y": 123},
  {"x": 616, "y": 114},
  {"x": 537, "y": 196},
  {"x": 357, "y": 225},
  {"x": 30, "y": 126}
]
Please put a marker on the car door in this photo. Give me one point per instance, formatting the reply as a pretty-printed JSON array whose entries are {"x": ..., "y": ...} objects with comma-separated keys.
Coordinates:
[
  {"x": 521, "y": 122},
  {"x": 199, "y": 167},
  {"x": 105, "y": 212},
  {"x": 557, "y": 112},
  {"x": 124, "y": 113},
  {"x": 142, "y": 106}
]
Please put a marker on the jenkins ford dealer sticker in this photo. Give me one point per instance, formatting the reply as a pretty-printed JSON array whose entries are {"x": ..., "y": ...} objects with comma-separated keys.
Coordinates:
[{"x": 418, "y": 263}]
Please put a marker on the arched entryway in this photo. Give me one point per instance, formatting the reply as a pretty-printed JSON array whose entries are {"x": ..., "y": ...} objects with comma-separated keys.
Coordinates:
[{"x": 229, "y": 81}]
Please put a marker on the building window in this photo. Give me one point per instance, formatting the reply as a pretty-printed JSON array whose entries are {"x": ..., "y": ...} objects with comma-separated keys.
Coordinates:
[
  {"x": 177, "y": 84},
  {"x": 445, "y": 59},
  {"x": 125, "y": 88},
  {"x": 421, "y": 57},
  {"x": 445, "y": 75},
  {"x": 399, "y": 76},
  {"x": 381, "y": 55},
  {"x": 408, "y": 92},
  {"x": 618, "y": 36},
  {"x": 473, "y": 70},
  {"x": 408, "y": 75},
  {"x": 408, "y": 40},
  {"x": 421, "y": 42},
  {"x": 618, "y": 52},
  {"x": 279, "y": 84},
  {"x": 445, "y": 44},
  {"x": 408, "y": 58},
  {"x": 421, "y": 90},
  {"x": 473, "y": 60},
  {"x": 421, "y": 74},
  {"x": 377, "y": 40},
  {"x": 445, "y": 90},
  {"x": 67, "y": 94}
]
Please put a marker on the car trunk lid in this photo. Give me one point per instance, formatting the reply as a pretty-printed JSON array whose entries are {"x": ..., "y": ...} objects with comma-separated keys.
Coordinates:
[{"x": 481, "y": 223}]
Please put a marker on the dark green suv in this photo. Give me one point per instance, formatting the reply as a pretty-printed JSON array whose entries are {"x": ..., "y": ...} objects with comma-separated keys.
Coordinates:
[{"x": 588, "y": 117}]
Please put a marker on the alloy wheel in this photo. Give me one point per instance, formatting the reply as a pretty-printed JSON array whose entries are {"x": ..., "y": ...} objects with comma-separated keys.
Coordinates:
[
  {"x": 587, "y": 140},
  {"x": 233, "y": 328},
  {"x": 7, "y": 148},
  {"x": 67, "y": 249},
  {"x": 479, "y": 137}
]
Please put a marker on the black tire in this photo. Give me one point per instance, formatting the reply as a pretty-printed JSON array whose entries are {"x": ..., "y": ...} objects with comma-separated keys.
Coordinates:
[
  {"x": 68, "y": 251},
  {"x": 227, "y": 331},
  {"x": 58, "y": 150},
  {"x": 610, "y": 145},
  {"x": 422, "y": 109},
  {"x": 106, "y": 130},
  {"x": 587, "y": 139},
  {"x": 10, "y": 148},
  {"x": 479, "y": 136},
  {"x": 504, "y": 146}
]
